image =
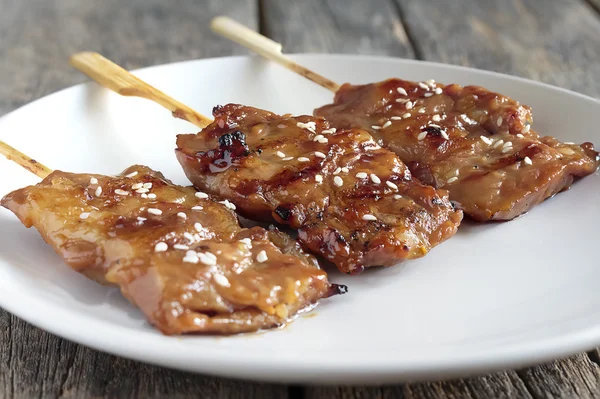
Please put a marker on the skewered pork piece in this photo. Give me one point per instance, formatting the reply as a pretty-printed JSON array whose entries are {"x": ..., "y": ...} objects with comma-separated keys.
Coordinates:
[
  {"x": 477, "y": 144},
  {"x": 352, "y": 201},
  {"x": 179, "y": 256}
]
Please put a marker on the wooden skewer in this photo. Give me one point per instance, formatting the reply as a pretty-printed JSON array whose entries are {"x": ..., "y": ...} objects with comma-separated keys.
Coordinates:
[
  {"x": 117, "y": 79},
  {"x": 18, "y": 157},
  {"x": 266, "y": 47}
]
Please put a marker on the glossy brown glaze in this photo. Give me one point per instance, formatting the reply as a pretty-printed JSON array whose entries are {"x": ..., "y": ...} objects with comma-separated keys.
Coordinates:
[
  {"x": 352, "y": 201},
  {"x": 183, "y": 260},
  {"x": 476, "y": 144}
]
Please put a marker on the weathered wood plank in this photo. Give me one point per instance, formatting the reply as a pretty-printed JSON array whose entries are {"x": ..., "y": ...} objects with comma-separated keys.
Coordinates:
[
  {"x": 37, "y": 364},
  {"x": 554, "y": 41},
  {"x": 334, "y": 26},
  {"x": 38, "y": 36}
]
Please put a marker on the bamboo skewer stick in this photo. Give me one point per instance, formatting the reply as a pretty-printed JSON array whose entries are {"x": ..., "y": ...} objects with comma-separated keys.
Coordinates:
[
  {"x": 18, "y": 157},
  {"x": 266, "y": 47},
  {"x": 117, "y": 79}
]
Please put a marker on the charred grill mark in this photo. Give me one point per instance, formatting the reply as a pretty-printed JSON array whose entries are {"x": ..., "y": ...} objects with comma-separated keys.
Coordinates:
[{"x": 284, "y": 212}]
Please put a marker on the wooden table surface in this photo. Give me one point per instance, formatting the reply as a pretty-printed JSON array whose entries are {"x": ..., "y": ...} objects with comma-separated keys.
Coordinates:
[{"x": 554, "y": 41}]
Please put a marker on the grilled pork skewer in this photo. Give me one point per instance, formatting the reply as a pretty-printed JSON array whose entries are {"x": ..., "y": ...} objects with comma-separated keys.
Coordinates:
[
  {"x": 411, "y": 220},
  {"x": 477, "y": 144},
  {"x": 351, "y": 201},
  {"x": 178, "y": 255}
]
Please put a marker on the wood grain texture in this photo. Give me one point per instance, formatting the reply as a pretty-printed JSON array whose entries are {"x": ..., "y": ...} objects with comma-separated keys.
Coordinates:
[
  {"x": 38, "y": 36},
  {"x": 554, "y": 41},
  {"x": 334, "y": 26}
]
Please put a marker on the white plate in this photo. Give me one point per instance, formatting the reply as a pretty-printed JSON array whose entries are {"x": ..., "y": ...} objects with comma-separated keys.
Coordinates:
[{"x": 494, "y": 296}]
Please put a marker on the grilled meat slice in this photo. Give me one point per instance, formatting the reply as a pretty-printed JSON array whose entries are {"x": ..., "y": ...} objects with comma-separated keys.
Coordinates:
[
  {"x": 476, "y": 144},
  {"x": 352, "y": 201},
  {"x": 181, "y": 258}
]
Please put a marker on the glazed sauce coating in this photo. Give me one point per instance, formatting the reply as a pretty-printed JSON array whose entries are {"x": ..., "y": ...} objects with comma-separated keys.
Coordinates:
[
  {"x": 181, "y": 257},
  {"x": 351, "y": 201},
  {"x": 477, "y": 144}
]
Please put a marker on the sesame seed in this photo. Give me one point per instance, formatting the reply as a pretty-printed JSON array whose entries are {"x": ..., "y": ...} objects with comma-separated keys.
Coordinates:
[
  {"x": 262, "y": 256},
  {"x": 375, "y": 127},
  {"x": 151, "y": 195},
  {"x": 528, "y": 161},
  {"x": 84, "y": 215},
  {"x": 280, "y": 154},
  {"x": 189, "y": 236},
  {"x": 507, "y": 144},
  {"x": 422, "y": 136},
  {"x": 436, "y": 118},
  {"x": 391, "y": 185},
  {"x": 142, "y": 191},
  {"x": 182, "y": 215},
  {"x": 247, "y": 241},
  {"x": 369, "y": 217},
  {"x": 318, "y": 178},
  {"x": 181, "y": 247},
  {"x": 423, "y": 86},
  {"x": 361, "y": 175},
  {"x": 141, "y": 219},
  {"x": 93, "y": 180},
  {"x": 421, "y": 110},
  {"x": 311, "y": 126},
  {"x": 397, "y": 196},
  {"x": 337, "y": 171},
  {"x": 402, "y": 91},
  {"x": 568, "y": 143},
  {"x": 438, "y": 90},
  {"x": 98, "y": 191},
  {"x": 228, "y": 204},
  {"x": 161, "y": 247},
  {"x": 189, "y": 258},
  {"x": 499, "y": 121},
  {"x": 144, "y": 196},
  {"x": 338, "y": 181},
  {"x": 406, "y": 115},
  {"x": 427, "y": 94},
  {"x": 198, "y": 227},
  {"x": 387, "y": 124},
  {"x": 402, "y": 100},
  {"x": 526, "y": 129},
  {"x": 323, "y": 141},
  {"x": 207, "y": 258},
  {"x": 444, "y": 134},
  {"x": 201, "y": 195},
  {"x": 132, "y": 174},
  {"x": 434, "y": 125},
  {"x": 118, "y": 191},
  {"x": 519, "y": 135},
  {"x": 345, "y": 169},
  {"x": 303, "y": 159},
  {"x": 506, "y": 149},
  {"x": 409, "y": 105},
  {"x": 317, "y": 137},
  {"x": 154, "y": 211},
  {"x": 137, "y": 185},
  {"x": 148, "y": 185},
  {"x": 319, "y": 154},
  {"x": 329, "y": 131},
  {"x": 486, "y": 140},
  {"x": 221, "y": 280},
  {"x": 375, "y": 179},
  {"x": 197, "y": 208},
  {"x": 396, "y": 118},
  {"x": 452, "y": 179},
  {"x": 430, "y": 82},
  {"x": 287, "y": 158},
  {"x": 498, "y": 143}
]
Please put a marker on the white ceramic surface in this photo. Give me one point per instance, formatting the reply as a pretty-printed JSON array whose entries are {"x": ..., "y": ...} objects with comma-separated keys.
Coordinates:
[{"x": 494, "y": 296}]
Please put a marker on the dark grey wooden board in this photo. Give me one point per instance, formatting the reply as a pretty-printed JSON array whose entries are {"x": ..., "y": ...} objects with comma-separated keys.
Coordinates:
[{"x": 37, "y": 36}]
